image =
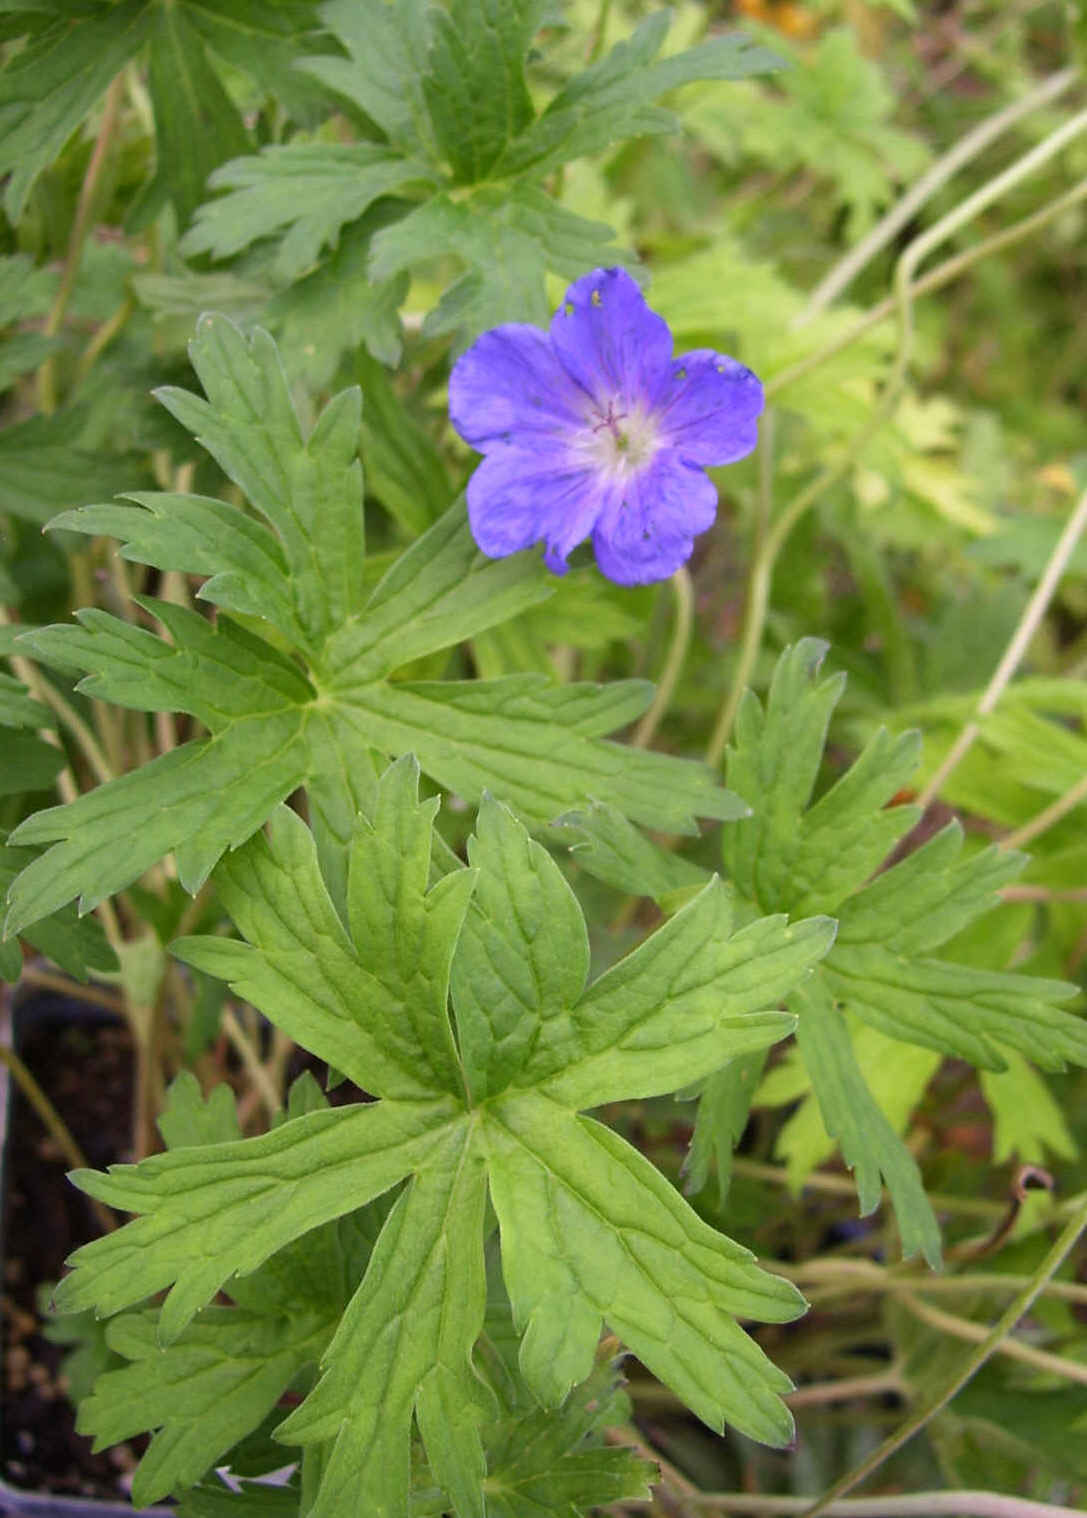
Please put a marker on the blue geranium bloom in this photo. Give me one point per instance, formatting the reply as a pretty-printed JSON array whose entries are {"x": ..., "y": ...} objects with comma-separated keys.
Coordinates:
[{"x": 593, "y": 428}]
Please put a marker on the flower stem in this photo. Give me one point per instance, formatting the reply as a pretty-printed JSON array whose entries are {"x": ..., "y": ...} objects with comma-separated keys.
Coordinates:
[
  {"x": 763, "y": 566},
  {"x": 991, "y": 1342},
  {"x": 673, "y": 665},
  {"x": 1028, "y": 625},
  {"x": 935, "y": 279},
  {"x": 958, "y": 155},
  {"x": 974, "y": 1333},
  {"x": 1046, "y": 819}
]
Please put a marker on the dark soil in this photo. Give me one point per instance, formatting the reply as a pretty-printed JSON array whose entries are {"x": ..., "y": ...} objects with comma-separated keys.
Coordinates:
[{"x": 85, "y": 1068}]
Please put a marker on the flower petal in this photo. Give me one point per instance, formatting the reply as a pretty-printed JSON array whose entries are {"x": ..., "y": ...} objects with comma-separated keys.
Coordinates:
[
  {"x": 647, "y": 530},
  {"x": 708, "y": 407},
  {"x": 509, "y": 382},
  {"x": 519, "y": 495},
  {"x": 609, "y": 341}
]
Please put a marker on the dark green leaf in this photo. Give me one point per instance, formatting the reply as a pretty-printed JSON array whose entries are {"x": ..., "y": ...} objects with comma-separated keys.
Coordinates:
[
  {"x": 197, "y": 125},
  {"x": 49, "y": 87}
]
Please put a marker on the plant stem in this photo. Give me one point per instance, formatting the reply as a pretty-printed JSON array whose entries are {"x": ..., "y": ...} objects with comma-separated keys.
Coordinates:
[
  {"x": 1046, "y": 819},
  {"x": 850, "y": 1275},
  {"x": 975, "y": 1333},
  {"x": 47, "y": 393},
  {"x": 250, "y": 1058},
  {"x": 54, "y": 1124},
  {"x": 960, "y": 154},
  {"x": 935, "y": 279},
  {"x": 1033, "y": 613},
  {"x": 991, "y": 1342},
  {"x": 103, "y": 337},
  {"x": 841, "y": 1185},
  {"x": 39, "y": 686},
  {"x": 849, "y": 1387},
  {"x": 95, "y": 996},
  {"x": 763, "y": 567},
  {"x": 673, "y": 664}
]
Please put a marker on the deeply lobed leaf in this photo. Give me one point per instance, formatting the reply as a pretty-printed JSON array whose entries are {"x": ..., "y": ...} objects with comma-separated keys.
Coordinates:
[{"x": 590, "y": 1232}]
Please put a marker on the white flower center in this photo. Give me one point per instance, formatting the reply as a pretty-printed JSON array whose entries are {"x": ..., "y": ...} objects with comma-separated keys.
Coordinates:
[{"x": 620, "y": 443}]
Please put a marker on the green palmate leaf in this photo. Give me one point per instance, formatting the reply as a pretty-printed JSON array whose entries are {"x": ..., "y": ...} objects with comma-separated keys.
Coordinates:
[
  {"x": 1026, "y": 1119},
  {"x": 381, "y": 75},
  {"x": 613, "y": 850},
  {"x": 550, "y": 1463},
  {"x": 251, "y": 1499},
  {"x": 724, "y": 1102},
  {"x": 277, "y": 722},
  {"x": 338, "y": 310},
  {"x": 264, "y": 39},
  {"x": 48, "y": 88},
  {"x": 404, "y": 468},
  {"x": 77, "y": 944},
  {"x": 495, "y": 1110},
  {"x": 307, "y": 192},
  {"x": 219, "y": 1381},
  {"x": 870, "y": 1146},
  {"x": 475, "y": 86},
  {"x": 508, "y": 239},
  {"x": 614, "y": 98},
  {"x": 41, "y": 472},
  {"x": 797, "y": 856},
  {"x": 830, "y": 116},
  {"x": 197, "y": 125},
  {"x": 203, "y": 1393}
]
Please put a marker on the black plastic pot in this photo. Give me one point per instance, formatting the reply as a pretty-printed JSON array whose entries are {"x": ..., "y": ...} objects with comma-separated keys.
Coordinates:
[{"x": 31, "y": 1013}]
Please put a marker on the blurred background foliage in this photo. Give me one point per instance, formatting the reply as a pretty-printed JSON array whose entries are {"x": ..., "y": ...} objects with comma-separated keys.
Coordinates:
[{"x": 915, "y": 563}]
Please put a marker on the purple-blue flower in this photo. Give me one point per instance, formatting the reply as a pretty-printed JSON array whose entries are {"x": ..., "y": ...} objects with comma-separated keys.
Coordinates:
[{"x": 593, "y": 428}]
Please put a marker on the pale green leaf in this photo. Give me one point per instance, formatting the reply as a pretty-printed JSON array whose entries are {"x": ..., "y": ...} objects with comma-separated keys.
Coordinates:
[
  {"x": 214, "y": 1211},
  {"x": 202, "y": 1393},
  {"x": 405, "y": 1343},
  {"x": 1027, "y": 1120},
  {"x": 77, "y": 944},
  {"x": 567, "y": 1191}
]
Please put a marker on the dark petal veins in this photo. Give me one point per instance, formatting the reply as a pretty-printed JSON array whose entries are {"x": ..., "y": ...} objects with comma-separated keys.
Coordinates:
[
  {"x": 707, "y": 408},
  {"x": 647, "y": 530},
  {"x": 509, "y": 382},
  {"x": 609, "y": 341},
  {"x": 519, "y": 495}
]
